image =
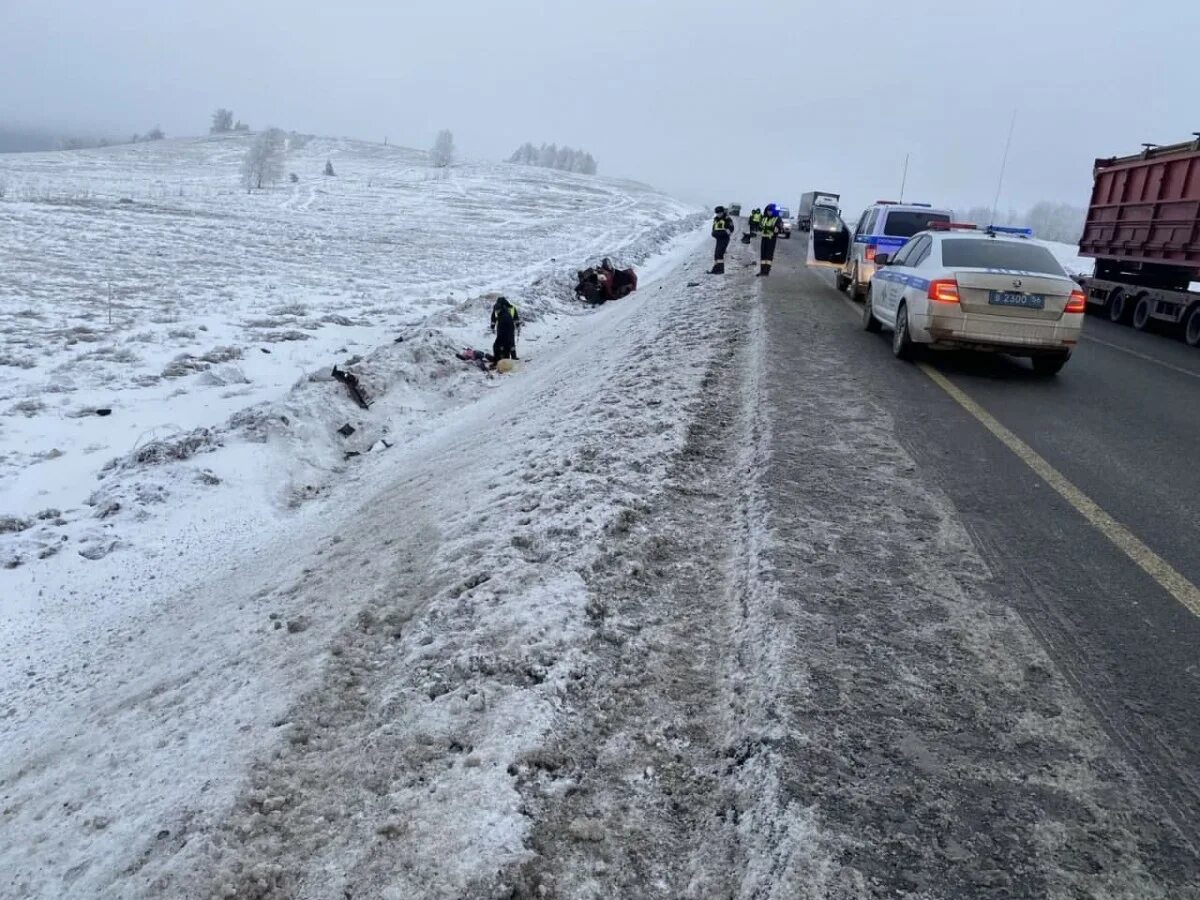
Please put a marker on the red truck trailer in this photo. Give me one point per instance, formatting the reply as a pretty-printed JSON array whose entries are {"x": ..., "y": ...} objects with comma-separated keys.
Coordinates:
[{"x": 1143, "y": 229}]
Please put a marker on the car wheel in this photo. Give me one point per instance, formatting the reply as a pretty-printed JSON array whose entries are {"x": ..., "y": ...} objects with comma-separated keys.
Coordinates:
[
  {"x": 1141, "y": 313},
  {"x": 869, "y": 322},
  {"x": 1118, "y": 307},
  {"x": 841, "y": 281},
  {"x": 1050, "y": 364},
  {"x": 1191, "y": 326},
  {"x": 902, "y": 345}
]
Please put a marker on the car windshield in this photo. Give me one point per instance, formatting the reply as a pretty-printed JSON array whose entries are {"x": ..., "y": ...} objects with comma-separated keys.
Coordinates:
[
  {"x": 907, "y": 222},
  {"x": 826, "y": 220},
  {"x": 996, "y": 254}
]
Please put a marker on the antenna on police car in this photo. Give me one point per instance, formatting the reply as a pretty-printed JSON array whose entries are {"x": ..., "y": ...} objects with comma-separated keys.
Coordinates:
[
  {"x": 1003, "y": 164},
  {"x": 904, "y": 178}
]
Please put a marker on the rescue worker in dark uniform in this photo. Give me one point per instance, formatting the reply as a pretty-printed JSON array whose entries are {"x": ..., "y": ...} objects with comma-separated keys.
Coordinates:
[
  {"x": 771, "y": 226},
  {"x": 722, "y": 231},
  {"x": 505, "y": 322}
]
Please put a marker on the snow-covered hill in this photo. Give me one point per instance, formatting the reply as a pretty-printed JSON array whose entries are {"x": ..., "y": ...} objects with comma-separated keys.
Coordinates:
[{"x": 166, "y": 337}]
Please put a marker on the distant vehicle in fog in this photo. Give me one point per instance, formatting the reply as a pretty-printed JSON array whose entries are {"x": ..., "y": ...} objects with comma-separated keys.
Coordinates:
[{"x": 812, "y": 200}]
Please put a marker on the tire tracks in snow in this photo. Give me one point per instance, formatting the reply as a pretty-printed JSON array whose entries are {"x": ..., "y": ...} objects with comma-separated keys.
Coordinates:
[{"x": 663, "y": 783}]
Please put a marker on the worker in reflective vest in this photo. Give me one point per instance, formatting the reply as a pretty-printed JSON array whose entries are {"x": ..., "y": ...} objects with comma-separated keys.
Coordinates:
[
  {"x": 722, "y": 231},
  {"x": 771, "y": 226}
]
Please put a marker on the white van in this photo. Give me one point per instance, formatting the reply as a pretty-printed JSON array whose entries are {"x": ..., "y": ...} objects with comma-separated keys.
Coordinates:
[{"x": 884, "y": 227}]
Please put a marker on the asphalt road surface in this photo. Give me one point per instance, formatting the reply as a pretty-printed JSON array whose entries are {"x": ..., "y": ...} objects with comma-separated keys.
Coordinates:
[{"x": 1121, "y": 424}]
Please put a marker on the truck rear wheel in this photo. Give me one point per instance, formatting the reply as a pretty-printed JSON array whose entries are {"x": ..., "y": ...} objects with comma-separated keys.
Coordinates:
[
  {"x": 1191, "y": 326},
  {"x": 1141, "y": 312},
  {"x": 1119, "y": 307}
]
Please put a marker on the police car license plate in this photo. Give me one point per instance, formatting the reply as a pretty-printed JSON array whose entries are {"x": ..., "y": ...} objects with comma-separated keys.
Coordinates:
[{"x": 1010, "y": 298}]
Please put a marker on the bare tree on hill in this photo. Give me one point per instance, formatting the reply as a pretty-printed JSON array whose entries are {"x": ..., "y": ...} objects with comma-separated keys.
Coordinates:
[
  {"x": 222, "y": 121},
  {"x": 263, "y": 162},
  {"x": 442, "y": 153}
]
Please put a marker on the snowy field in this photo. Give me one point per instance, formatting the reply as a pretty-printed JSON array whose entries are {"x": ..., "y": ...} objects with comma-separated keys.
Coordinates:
[
  {"x": 155, "y": 696},
  {"x": 153, "y": 312}
]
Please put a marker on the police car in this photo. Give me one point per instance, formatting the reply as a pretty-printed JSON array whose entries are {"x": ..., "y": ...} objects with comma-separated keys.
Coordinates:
[
  {"x": 785, "y": 222},
  {"x": 959, "y": 286},
  {"x": 883, "y": 228}
]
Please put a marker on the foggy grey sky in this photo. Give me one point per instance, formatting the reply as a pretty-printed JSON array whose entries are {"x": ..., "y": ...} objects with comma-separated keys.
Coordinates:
[{"x": 709, "y": 101}]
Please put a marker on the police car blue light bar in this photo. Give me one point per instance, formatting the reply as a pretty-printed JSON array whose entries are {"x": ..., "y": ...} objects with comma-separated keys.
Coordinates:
[
  {"x": 1011, "y": 229},
  {"x": 927, "y": 205}
]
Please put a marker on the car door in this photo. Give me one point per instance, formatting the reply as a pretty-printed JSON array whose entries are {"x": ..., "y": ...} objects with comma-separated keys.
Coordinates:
[
  {"x": 859, "y": 247},
  {"x": 893, "y": 282},
  {"x": 918, "y": 280},
  {"x": 829, "y": 236},
  {"x": 918, "y": 252},
  {"x": 854, "y": 232}
]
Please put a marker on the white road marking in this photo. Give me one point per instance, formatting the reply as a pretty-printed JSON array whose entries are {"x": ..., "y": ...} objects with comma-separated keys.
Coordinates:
[{"x": 1147, "y": 357}]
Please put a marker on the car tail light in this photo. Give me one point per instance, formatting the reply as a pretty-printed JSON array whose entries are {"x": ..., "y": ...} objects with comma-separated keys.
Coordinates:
[
  {"x": 870, "y": 252},
  {"x": 1077, "y": 303},
  {"x": 944, "y": 290}
]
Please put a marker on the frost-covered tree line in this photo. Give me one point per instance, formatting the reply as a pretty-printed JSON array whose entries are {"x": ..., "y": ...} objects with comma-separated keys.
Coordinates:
[
  {"x": 77, "y": 143},
  {"x": 1049, "y": 221},
  {"x": 550, "y": 156}
]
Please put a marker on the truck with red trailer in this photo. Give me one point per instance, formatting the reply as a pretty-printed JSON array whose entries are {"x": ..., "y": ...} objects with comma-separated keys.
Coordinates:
[{"x": 1143, "y": 230}]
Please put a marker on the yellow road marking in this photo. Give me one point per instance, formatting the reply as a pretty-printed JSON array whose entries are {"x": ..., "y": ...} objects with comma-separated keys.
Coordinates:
[
  {"x": 1172, "y": 581},
  {"x": 1150, "y": 562},
  {"x": 1145, "y": 356}
]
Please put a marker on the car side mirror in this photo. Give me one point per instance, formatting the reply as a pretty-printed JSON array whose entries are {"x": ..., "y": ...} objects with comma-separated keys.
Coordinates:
[{"x": 882, "y": 259}]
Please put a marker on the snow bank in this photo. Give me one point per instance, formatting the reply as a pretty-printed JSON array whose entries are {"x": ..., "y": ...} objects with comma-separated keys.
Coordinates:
[{"x": 163, "y": 329}]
